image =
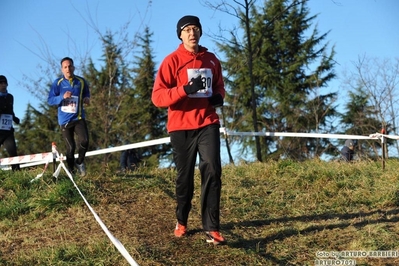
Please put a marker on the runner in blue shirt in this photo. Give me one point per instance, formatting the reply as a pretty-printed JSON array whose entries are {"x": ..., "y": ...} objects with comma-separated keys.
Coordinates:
[{"x": 69, "y": 93}]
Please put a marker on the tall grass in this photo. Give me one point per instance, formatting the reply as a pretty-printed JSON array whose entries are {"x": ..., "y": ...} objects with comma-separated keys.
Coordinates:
[{"x": 273, "y": 213}]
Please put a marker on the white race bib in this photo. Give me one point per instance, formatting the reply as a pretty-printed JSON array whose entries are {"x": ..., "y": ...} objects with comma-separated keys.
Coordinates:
[
  {"x": 70, "y": 105},
  {"x": 206, "y": 76},
  {"x": 5, "y": 122}
]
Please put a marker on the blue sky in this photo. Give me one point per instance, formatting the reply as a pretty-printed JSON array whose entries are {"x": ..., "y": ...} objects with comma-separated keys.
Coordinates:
[{"x": 31, "y": 30}]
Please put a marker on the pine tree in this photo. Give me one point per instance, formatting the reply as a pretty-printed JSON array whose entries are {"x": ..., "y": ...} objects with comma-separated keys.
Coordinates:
[
  {"x": 121, "y": 111},
  {"x": 284, "y": 49},
  {"x": 110, "y": 85},
  {"x": 148, "y": 121},
  {"x": 359, "y": 118}
]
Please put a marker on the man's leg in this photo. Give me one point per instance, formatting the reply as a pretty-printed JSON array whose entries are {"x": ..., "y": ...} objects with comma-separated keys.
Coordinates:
[
  {"x": 211, "y": 171},
  {"x": 11, "y": 147},
  {"x": 67, "y": 134},
  {"x": 184, "y": 153},
  {"x": 123, "y": 160},
  {"x": 83, "y": 140}
]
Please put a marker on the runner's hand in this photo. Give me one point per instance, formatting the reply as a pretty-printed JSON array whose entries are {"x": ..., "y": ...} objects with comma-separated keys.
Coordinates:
[
  {"x": 67, "y": 94},
  {"x": 216, "y": 100},
  {"x": 194, "y": 85}
]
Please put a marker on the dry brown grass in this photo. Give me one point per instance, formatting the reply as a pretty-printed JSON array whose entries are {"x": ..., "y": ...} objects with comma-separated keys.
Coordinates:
[{"x": 275, "y": 213}]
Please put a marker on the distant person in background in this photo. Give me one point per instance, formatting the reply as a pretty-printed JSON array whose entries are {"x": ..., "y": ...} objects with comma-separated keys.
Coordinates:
[
  {"x": 347, "y": 151},
  {"x": 129, "y": 160},
  {"x": 7, "y": 116},
  {"x": 69, "y": 93}
]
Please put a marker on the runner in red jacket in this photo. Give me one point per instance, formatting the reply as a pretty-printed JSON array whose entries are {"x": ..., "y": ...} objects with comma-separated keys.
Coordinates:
[{"x": 190, "y": 84}]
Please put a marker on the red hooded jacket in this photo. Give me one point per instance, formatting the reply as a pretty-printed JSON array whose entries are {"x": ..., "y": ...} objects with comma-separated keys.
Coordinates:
[{"x": 194, "y": 111}]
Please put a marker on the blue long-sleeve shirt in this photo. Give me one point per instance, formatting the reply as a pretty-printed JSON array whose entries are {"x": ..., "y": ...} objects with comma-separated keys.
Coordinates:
[{"x": 70, "y": 109}]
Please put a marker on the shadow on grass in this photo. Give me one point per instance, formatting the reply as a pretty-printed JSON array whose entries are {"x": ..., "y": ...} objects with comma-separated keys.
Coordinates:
[{"x": 345, "y": 220}]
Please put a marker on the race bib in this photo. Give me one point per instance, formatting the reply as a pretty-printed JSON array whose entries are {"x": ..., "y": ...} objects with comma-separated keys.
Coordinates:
[
  {"x": 206, "y": 76},
  {"x": 5, "y": 122},
  {"x": 70, "y": 105}
]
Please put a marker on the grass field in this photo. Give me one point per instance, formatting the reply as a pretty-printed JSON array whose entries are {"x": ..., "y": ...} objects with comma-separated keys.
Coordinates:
[{"x": 273, "y": 213}]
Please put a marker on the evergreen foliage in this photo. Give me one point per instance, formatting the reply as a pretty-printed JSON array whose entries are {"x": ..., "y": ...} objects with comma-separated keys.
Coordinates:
[
  {"x": 38, "y": 129},
  {"x": 110, "y": 84},
  {"x": 359, "y": 118},
  {"x": 121, "y": 111},
  {"x": 290, "y": 64},
  {"x": 149, "y": 122}
]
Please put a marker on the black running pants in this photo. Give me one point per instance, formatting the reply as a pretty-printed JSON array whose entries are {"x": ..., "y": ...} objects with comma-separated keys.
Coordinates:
[
  {"x": 186, "y": 145},
  {"x": 69, "y": 130}
]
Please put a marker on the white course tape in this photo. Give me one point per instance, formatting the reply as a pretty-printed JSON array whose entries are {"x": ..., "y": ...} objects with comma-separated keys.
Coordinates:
[
  {"x": 42, "y": 158},
  {"x": 130, "y": 146},
  {"x": 26, "y": 158},
  {"x": 34, "y": 163},
  {"x": 380, "y": 136},
  {"x": 41, "y": 174},
  {"x": 306, "y": 135},
  {"x": 113, "y": 239}
]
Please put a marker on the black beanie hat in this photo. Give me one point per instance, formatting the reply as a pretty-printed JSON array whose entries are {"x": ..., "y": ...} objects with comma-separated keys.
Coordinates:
[
  {"x": 3, "y": 78},
  {"x": 188, "y": 20}
]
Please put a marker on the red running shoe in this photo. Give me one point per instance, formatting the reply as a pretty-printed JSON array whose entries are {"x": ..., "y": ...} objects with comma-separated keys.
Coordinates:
[
  {"x": 215, "y": 237},
  {"x": 180, "y": 230}
]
